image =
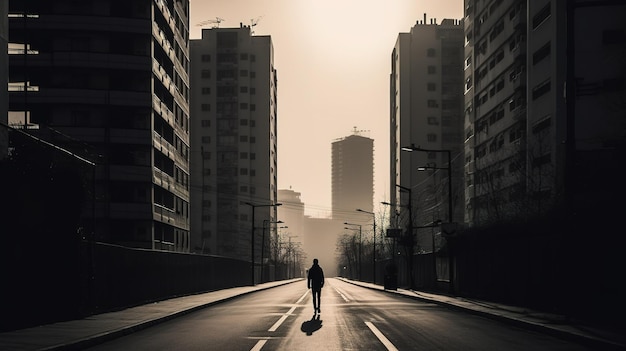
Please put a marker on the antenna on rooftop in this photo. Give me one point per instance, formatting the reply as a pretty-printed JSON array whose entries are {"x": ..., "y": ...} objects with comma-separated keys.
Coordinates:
[
  {"x": 253, "y": 23},
  {"x": 356, "y": 131}
]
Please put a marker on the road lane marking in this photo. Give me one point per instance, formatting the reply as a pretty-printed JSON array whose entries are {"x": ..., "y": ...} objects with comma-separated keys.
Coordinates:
[
  {"x": 259, "y": 345},
  {"x": 303, "y": 296},
  {"x": 381, "y": 337},
  {"x": 281, "y": 320}
]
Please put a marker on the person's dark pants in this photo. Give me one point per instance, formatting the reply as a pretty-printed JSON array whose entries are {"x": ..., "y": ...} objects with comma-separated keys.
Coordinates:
[{"x": 317, "y": 297}]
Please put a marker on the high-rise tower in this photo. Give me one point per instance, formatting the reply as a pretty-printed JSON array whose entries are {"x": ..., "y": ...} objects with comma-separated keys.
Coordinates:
[
  {"x": 109, "y": 81},
  {"x": 234, "y": 139},
  {"x": 352, "y": 175}
]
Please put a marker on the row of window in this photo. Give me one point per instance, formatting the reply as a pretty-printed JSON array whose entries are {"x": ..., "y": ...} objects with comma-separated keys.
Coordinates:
[
  {"x": 226, "y": 58},
  {"x": 242, "y": 106},
  {"x": 229, "y": 139},
  {"x": 224, "y": 74},
  {"x": 226, "y": 91}
]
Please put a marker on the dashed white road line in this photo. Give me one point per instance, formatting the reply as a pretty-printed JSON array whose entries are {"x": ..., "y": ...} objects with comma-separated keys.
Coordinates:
[
  {"x": 381, "y": 337},
  {"x": 343, "y": 296},
  {"x": 284, "y": 316},
  {"x": 259, "y": 345}
]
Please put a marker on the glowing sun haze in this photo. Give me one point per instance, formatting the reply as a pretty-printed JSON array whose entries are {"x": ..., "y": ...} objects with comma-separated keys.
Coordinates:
[{"x": 333, "y": 59}]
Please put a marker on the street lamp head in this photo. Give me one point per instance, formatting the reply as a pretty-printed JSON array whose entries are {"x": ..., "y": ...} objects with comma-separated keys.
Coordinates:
[{"x": 410, "y": 148}]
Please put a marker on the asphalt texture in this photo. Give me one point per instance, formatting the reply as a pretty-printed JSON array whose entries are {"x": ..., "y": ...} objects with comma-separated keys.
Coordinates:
[{"x": 96, "y": 329}]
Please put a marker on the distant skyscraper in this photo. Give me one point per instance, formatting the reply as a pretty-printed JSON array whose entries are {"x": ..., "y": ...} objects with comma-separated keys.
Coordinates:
[
  {"x": 426, "y": 93},
  {"x": 352, "y": 175},
  {"x": 234, "y": 139},
  {"x": 108, "y": 80}
]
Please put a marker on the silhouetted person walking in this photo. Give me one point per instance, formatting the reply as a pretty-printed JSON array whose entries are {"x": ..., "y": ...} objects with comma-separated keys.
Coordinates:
[{"x": 315, "y": 282}]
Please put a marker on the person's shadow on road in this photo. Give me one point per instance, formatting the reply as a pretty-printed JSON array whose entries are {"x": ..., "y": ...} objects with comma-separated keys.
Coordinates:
[{"x": 309, "y": 327}]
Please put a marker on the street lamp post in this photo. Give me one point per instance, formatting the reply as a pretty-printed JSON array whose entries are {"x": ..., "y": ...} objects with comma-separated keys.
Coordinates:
[
  {"x": 265, "y": 222},
  {"x": 374, "y": 251},
  {"x": 277, "y": 251},
  {"x": 360, "y": 243},
  {"x": 254, "y": 206},
  {"x": 449, "y": 169}
]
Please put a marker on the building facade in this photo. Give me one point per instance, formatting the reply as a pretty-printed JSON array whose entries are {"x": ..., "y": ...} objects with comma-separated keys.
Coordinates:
[
  {"x": 352, "y": 181},
  {"x": 426, "y": 114},
  {"x": 542, "y": 81},
  {"x": 234, "y": 140},
  {"x": 109, "y": 82}
]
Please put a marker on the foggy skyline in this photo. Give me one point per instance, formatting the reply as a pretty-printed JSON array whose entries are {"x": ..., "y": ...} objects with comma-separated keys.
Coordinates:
[{"x": 333, "y": 63}]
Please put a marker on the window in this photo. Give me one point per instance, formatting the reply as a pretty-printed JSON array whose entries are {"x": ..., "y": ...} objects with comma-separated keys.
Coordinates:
[
  {"x": 243, "y": 90},
  {"x": 432, "y": 103},
  {"x": 206, "y": 139},
  {"x": 206, "y": 123},
  {"x": 541, "y": 125},
  {"x": 243, "y": 105},
  {"x": 541, "y": 89},
  {"x": 433, "y": 121},
  {"x": 432, "y": 137},
  {"x": 541, "y": 53},
  {"x": 468, "y": 62},
  {"x": 252, "y": 107},
  {"x": 243, "y": 138},
  {"x": 205, "y": 107},
  {"x": 431, "y": 86},
  {"x": 243, "y": 73},
  {"x": 243, "y": 155},
  {"x": 243, "y": 57},
  {"x": 541, "y": 16},
  {"x": 252, "y": 91},
  {"x": 432, "y": 69},
  {"x": 206, "y": 91},
  {"x": 431, "y": 52},
  {"x": 243, "y": 171},
  {"x": 243, "y": 122},
  {"x": 252, "y": 74},
  {"x": 206, "y": 58},
  {"x": 205, "y": 73}
]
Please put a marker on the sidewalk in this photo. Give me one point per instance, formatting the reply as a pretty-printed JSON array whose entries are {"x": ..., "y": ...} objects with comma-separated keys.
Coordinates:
[
  {"x": 78, "y": 334},
  {"x": 555, "y": 325},
  {"x": 93, "y": 330}
]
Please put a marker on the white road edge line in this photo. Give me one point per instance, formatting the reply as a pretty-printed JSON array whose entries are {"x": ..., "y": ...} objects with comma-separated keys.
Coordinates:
[
  {"x": 381, "y": 337},
  {"x": 259, "y": 345}
]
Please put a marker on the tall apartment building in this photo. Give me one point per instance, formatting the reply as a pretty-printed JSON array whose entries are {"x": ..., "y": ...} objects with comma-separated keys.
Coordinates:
[
  {"x": 542, "y": 83},
  {"x": 234, "y": 140},
  {"x": 426, "y": 111},
  {"x": 352, "y": 182},
  {"x": 495, "y": 108},
  {"x": 108, "y": 81}
]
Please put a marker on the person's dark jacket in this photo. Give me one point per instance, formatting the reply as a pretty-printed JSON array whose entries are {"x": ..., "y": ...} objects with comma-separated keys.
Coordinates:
[{"x": 315, "y": 278}]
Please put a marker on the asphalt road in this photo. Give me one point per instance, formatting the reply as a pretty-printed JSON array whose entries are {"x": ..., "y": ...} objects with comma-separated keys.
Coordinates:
[{"x": 352, "y": 318}]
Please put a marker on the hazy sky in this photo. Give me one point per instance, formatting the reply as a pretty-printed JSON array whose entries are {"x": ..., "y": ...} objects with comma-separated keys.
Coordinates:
[{"x": 333, "y": 61}]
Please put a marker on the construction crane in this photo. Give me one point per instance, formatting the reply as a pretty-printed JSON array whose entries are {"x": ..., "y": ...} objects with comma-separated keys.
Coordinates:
[{"x": 215, "y": 22}]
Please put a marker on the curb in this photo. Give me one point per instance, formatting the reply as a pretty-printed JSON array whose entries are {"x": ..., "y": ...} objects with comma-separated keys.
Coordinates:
[{"x": 127, "y": 330}]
